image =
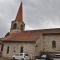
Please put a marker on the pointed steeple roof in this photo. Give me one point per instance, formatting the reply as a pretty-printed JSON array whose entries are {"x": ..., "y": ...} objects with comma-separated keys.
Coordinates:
[{"x": 19, "y": 16}]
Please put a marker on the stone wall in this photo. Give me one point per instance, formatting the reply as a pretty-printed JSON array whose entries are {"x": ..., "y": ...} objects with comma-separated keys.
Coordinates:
[
  {"x": 39, "y": 46},
  {"x": 48, "y": 43},
  {"x": 18, "y": 26},
  {"x": 44, "y": 44},
  {"x": 14, "y": 47}
]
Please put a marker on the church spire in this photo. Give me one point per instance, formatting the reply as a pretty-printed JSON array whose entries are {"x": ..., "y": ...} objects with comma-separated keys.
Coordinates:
[
  {"x": 18, "y": 24},
  {"x": 19, "y": 16}
]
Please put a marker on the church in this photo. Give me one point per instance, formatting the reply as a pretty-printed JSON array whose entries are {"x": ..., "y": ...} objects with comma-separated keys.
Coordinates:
[{"x": 33, "y": 42}]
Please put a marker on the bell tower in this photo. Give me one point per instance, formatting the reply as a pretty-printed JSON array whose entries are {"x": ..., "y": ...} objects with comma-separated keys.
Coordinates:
[{"x": 18, "y": 25}]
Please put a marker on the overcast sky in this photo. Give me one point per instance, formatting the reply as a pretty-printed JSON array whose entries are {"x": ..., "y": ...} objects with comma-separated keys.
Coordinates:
[{"x": 37, "y": 14}]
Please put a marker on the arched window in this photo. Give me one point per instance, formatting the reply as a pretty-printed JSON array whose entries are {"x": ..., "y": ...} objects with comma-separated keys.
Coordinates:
[
  {"x": 53, "y": 44},
  {"x": 21, "y": 49},
  {"x": 2, "y": 47},
  {"x": 7, "y": 49},
  {"x": 14, "y": 26},
  {"x": 21, "y": 27}
]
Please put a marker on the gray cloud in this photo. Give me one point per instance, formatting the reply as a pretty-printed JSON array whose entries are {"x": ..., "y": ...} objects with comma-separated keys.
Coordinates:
[
  {"x": 38, "y": 14},
  {"x": 44, "y": 13}
]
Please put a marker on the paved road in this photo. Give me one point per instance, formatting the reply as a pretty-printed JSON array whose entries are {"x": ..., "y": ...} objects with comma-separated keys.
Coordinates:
[{"x": 3, "y": 58}]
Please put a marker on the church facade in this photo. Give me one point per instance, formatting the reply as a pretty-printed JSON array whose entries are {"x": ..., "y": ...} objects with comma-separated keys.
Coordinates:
[{"x": 33, "y": 42}]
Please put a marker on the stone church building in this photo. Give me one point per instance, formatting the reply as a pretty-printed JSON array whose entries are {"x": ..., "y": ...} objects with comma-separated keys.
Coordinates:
[{"x": 33, "y": 42}]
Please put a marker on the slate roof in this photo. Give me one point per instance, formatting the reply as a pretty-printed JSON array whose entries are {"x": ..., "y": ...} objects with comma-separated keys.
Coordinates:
[
  {"x": 24, "y": 36},
  {"x": 30, "y": 36},
  {"x": 19, "y": 16}
]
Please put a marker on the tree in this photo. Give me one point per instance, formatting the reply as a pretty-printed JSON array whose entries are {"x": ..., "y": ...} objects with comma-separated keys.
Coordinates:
[{"x": 7, "y": 34}]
